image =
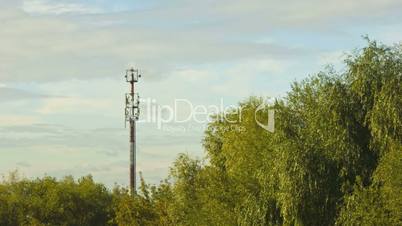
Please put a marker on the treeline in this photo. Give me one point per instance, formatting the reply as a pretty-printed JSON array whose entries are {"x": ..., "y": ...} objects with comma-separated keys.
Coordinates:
[{"x": 335, "y": 158}]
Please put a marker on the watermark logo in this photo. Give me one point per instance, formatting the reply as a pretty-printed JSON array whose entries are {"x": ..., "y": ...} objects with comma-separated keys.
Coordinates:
[
  {"x": 182, "y": 112},
  {"x": 268, "y": 103}
]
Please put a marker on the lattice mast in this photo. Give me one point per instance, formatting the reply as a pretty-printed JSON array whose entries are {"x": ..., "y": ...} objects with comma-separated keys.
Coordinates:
[{"x": 132, "y": 112}]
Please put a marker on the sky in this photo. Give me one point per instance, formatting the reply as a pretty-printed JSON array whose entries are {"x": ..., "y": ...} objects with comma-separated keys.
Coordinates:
[{"x": 62, "y": 66}]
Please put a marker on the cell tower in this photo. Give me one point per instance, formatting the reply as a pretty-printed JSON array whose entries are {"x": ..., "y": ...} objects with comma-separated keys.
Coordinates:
[{"x": 132, "y": 112}]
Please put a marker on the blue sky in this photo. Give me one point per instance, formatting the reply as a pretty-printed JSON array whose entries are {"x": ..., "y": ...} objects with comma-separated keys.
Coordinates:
[{"x": 62, "y": 65}]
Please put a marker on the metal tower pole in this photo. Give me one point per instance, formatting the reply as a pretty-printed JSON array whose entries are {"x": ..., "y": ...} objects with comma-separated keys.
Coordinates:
[
  {"x": 132, "y": 148},
  {"x": 132, "y": 113}
]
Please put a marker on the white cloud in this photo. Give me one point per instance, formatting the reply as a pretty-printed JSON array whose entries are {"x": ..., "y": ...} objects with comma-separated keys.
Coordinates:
[
  {"x": 239, "y": 79},
  {"x": 72, "y": 104},
  {"x": 15, "y": 120},
  {"x": 56, "y": 8},
  {"x": 49, "y": 47}
]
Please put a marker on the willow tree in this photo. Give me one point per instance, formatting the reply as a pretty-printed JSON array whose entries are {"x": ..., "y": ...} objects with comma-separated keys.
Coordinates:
[{"x": 335, "y": 134}]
